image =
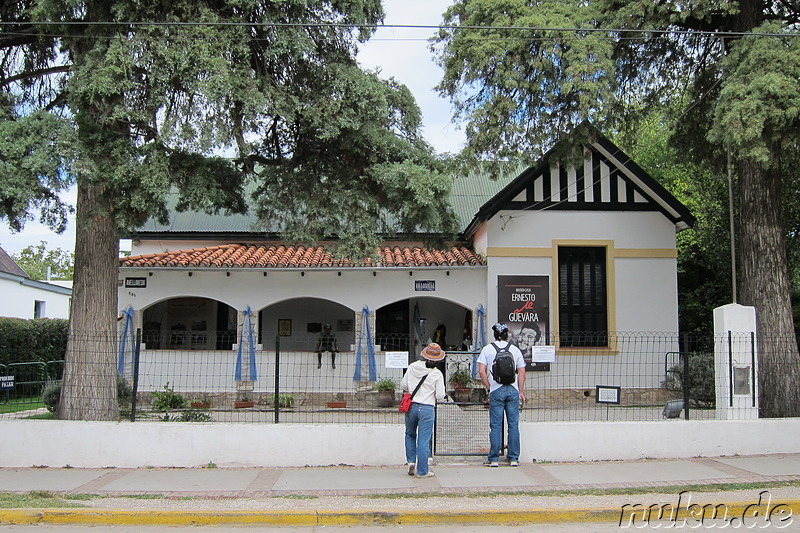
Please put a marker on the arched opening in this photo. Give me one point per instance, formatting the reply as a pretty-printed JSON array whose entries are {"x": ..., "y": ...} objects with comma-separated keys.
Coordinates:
[
  {"x": 189, "y": 323},
  {"x": 408, "y": 325},
  {"x": 300, "y": 322}
]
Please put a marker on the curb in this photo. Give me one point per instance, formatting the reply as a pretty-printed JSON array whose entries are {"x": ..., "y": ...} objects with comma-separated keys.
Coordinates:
[
  {"x": 735, "y": 514},
  {"x": 107, "y": 517}
]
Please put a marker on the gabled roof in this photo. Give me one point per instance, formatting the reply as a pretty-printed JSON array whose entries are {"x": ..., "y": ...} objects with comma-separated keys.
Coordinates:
[
  {"x": 281, "y": 256},
  {"x": 606, "y": 180},
  {"x": 9, "y": 266}
]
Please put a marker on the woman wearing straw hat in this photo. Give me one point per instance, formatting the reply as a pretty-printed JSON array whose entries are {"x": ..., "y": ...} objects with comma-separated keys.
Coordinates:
[{"x": 421, "y": 416}]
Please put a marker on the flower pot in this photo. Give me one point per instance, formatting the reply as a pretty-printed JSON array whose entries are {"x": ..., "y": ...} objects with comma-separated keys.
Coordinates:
[
  {"x": 243, "y": 404},
  {"x": 462, "y": 395},
  {"x": 201, "y": 405},
  {"x": 336, "y": 405},
  {"x": 386, "y": 398}
]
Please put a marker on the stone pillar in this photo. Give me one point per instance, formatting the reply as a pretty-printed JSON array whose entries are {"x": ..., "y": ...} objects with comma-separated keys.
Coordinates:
[{"x": 735, "y": 362}]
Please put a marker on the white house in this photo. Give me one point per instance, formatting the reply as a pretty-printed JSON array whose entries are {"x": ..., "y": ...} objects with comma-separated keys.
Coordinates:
[
  {"x": 568, "y": 257},
  {"x": 24, "y": 297}
]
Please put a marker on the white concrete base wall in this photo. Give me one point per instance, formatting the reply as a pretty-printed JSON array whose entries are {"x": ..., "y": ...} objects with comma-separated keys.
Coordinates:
[
  {"x": 27, "y": 443},
  {"x": 603, "y": 441}
]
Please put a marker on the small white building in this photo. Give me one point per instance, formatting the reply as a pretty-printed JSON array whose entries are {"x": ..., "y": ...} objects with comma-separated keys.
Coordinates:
[
  {"x": 568, "y": 257},
  {"x": 24, "y": 297}
]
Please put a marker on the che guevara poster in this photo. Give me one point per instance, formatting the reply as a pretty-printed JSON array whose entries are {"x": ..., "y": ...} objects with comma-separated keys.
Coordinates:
[{"x": 524, "y": 305}]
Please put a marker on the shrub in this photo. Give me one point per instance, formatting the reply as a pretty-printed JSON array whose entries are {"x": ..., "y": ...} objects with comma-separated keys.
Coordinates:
[
  {"x": 167, "y": 399},
  {"x": 387, "y": 384},
  {"x": 51, "y": 394},
  {"x": 38, "y": 339},
  {"x": 190, "y": 415},
  {"x": 461, "y": 379},
  {"x": 284, "y": 400},
  {"x": 700, "y": 380}
]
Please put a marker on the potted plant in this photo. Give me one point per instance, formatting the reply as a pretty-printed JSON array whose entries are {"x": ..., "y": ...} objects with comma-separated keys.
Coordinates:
[
  {"x": 202, "y": 402},
  {"x": 386, "y": 388},
  {"x": 461, "y": 381},
  {"x": 285, "y": 400}
]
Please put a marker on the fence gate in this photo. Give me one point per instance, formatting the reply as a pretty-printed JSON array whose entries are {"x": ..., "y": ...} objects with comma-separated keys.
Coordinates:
[{"x": 461, "y": 429}]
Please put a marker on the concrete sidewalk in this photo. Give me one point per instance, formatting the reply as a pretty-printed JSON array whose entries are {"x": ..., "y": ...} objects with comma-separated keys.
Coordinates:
[{"x": 463, "y": 491}]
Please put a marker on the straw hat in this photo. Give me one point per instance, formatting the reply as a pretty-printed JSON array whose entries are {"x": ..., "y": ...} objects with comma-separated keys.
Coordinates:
[{"x": 432, "y": 352}]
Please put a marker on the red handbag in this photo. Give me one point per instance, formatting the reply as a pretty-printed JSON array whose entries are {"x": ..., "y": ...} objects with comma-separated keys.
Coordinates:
[{"x": 405, "y": 402}]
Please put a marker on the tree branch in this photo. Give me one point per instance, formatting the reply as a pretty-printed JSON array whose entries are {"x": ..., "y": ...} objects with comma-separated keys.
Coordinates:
[{"x": 35, "y": 74}]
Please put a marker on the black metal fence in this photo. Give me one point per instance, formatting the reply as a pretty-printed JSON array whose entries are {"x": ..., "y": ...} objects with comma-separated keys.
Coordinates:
[{"x": 641, "y": 376}]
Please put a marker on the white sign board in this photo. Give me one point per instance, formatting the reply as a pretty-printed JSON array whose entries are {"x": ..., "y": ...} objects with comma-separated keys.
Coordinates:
[
  {"x": 544, "y": 354},
  {"x": 605, "y": 394},
  {"x": 396, "y": 359}
]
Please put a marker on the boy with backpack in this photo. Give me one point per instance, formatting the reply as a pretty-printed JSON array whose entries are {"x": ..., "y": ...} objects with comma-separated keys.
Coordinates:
[{"x": 502, "y": 370}]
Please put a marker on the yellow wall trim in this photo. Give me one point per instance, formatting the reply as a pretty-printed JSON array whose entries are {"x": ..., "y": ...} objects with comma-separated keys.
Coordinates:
[
  {"x": 497, "y": 251},
  {"x": 642, "y": 253}
]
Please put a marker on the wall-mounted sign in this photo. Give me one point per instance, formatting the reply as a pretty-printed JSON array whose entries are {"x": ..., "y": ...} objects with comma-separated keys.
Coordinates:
[
  {"x": 136, "y": 283},
  {"x": 544, "y": 354},
  {"x": 7, "y": 383},
  {"x": 396, "y": 359},
  {"x": 523, "y": 303},
  {"x": 425, "y": 285},
  {"x": 606, "y": 394}
]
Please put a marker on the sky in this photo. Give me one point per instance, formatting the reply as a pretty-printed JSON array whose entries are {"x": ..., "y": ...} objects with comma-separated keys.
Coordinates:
[{"x": 401, "y": 53}]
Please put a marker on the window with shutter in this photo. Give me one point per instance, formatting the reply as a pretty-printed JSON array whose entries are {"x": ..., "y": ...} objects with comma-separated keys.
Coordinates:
[{"x": 582, "y": 302}]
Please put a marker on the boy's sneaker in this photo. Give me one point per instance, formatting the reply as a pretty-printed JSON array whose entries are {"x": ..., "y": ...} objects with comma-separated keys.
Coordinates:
[
  {"x": 492, "y": 464},
  {"x": 429, "y": 474},
  {"x": 513, "y": 463},
  {"x": 412, "y": 469}
]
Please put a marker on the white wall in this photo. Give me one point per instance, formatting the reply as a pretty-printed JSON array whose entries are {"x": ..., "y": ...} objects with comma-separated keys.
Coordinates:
[
  {"x": 354, "y": 288},
  {"x": 202, "y": 371},
  {"x": 646, "y": 288},
  {"x": 159, "y": 444},
  {"x": 19, "y": 295},
  {"x": 628, "y": 229},
  {"x": 643, "y": 278}
]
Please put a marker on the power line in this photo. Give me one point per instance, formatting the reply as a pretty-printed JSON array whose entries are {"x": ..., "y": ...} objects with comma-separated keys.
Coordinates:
[{"x": 712, "y": 33}]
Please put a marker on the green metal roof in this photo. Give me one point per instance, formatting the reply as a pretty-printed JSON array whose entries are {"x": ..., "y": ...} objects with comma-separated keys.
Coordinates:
[{"x": 468, "y": 194}]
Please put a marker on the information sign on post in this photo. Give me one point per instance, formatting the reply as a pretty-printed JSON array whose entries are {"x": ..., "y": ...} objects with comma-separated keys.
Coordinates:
[
  {"x": 7, "y": 383},
  {"x": 605, "y": 394}
]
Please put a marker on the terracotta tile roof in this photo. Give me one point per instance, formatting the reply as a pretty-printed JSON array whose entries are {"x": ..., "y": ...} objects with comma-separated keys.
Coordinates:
[{"x": 283, "y": 256}]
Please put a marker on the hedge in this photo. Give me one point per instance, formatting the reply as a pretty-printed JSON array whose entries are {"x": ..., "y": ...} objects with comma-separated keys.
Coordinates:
[{"x": 38, "y": 339}]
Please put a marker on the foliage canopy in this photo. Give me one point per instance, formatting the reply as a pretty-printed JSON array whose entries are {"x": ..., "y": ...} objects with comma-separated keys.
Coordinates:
[
  {"x": 522, "y": 74},
  {"x": 135, "y": 101},
  {"x": 35, "y": 260}
]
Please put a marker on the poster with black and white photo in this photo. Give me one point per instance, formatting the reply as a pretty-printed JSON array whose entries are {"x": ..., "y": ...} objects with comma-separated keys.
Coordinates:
[{"x": 524, "y": 305}]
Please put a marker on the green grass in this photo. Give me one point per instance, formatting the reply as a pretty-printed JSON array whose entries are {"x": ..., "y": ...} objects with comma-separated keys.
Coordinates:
[
  {"x": 41, "y": 499},
  {"x": 22, "y": 404},
  {"x": 676, "y": 489},
  {"x": 36, "y": 499},
  {"x": 42, "y": 416}
]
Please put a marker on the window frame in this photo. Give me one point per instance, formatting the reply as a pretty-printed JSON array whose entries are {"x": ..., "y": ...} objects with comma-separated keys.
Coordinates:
[{"x": 579, "y": 343}]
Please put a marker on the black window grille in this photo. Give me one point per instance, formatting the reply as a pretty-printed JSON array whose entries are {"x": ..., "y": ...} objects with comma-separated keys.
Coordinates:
[{"x": 582, "y": 302}]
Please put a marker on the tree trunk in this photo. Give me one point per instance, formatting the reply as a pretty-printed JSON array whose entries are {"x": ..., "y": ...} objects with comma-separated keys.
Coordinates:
[
  {"x": 89, "y": 386},
  {"x": 765, "y": 285}
]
